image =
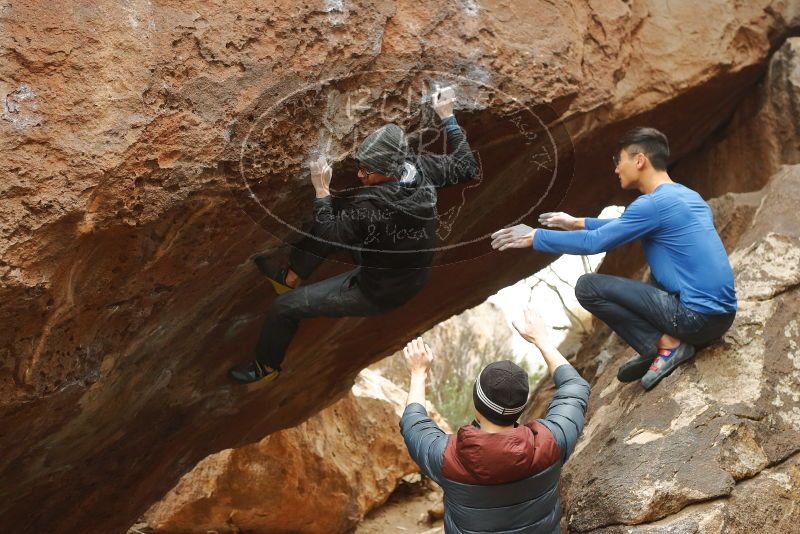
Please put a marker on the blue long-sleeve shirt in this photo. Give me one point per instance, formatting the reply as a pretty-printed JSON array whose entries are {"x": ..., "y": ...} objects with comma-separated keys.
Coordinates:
[{"x": 676, "y": 227}]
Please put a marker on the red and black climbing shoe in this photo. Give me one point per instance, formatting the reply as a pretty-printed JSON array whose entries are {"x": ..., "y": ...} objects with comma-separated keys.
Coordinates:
[
  {"x": 276, "y": 275},
  {"x": 634, "y": 369},
  {"x": 252, "y": 371},
  {"x": 666, "y": 362}
]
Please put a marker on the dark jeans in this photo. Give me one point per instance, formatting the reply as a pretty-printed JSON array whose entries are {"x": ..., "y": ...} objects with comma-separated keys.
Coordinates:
[
  {"x": 335, "y": 297},
  {"x": 641, "y": 313},
  {"x": 308, "y": 254}
]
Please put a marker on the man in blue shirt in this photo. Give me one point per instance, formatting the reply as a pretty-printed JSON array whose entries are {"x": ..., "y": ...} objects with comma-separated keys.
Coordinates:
[{"x": 690, "y": 300}]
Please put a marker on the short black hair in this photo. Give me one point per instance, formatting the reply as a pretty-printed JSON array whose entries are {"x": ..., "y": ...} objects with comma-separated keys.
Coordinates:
[{"x": 648, "y": 141}]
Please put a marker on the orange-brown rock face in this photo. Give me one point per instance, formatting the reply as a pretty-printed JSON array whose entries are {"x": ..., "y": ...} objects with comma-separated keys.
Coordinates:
[
  {"x": 319, "y": 477},
  {"x": 150, "y": 148},
  {"x": 762, "y": 135}
]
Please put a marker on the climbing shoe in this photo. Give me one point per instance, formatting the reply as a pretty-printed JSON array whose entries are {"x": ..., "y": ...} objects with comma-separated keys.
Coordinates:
[
  {"x": 666, "y": 362},
  {"x": 634, "y": 369},
  {"x": 252, "y": 371},
  {"x": 276, "y": 275}
]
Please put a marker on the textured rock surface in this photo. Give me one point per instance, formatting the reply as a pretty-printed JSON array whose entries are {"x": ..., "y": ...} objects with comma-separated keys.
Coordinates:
[
  {"x": 133, "y": 132},
  {"x": 416, "y": 507},
  {"x": 730, "y": 415},
  {"x": 762, "y": 135},
  {"x": 322, "y": 476},
  {"x": 764, "y": 503}
]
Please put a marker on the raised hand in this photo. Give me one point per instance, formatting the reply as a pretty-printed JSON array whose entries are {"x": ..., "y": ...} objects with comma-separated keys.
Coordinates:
[
  {"x": 519, "y": 236},
  {"x": 531, "y": 327},
  {"x": 321, "y": 174},
  {"x": 442, "y": 101},
  {"x": 418, "y": 356}
]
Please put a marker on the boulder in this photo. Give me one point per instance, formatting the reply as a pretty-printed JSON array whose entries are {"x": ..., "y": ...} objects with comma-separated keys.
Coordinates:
[
  {"x": 151, "y": 148},
  {"x": 722, "y": 430},
  {"x": 321, "y": 476}
]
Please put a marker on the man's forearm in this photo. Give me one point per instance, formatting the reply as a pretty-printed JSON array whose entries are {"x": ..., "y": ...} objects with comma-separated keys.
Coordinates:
[
  {"x": 416, "y": 390},
  {"x": 466, "y": 167},
  {"x": 552, "y": 357}
]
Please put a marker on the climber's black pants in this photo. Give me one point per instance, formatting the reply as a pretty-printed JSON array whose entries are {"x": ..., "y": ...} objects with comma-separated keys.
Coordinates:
[
  {"x": 307, "y": 255},
  {"x": 641, "y": 313},
  {"x": 339, "y": 296}
]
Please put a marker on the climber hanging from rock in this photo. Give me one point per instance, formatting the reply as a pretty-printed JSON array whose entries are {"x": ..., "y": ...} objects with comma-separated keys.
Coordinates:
[
  {"x": 390, "y": 227},
  {"x": 690, "y": 300}
]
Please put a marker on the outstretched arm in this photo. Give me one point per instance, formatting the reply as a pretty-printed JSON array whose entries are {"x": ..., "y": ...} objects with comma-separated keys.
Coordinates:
[
  {"x": 459, "y": 165},
  {"x": 639, "y": 219},
  {"x": 593, "y": 223},
  {"x": 522, "y": 236},
  {"x": 348, "y": 230},
  {"x": 601, "y": 235},
  {"x": 424, "y": 439},
  {"x": 418, "y": 356},
  {"x": 567, "y": 410},
  {"x": 565, "y": 221}
]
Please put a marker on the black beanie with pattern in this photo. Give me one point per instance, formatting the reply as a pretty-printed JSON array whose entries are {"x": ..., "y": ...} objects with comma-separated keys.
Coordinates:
[
  {"x": 384, "y": 151},
  {"x": 501, "y": 392}
]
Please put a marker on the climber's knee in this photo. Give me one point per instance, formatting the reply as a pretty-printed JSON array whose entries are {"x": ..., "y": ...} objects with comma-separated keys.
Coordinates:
[
  {"x": 286, "y": 305},
  {"x": 586, "y": 288}
]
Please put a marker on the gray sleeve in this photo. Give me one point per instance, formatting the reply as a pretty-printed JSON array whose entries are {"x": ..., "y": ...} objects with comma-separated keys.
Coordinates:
[
  {"x": 425, "y": 441},
  {"x": 567, "y": 409},
  {"x": 457, "y": 167}
]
